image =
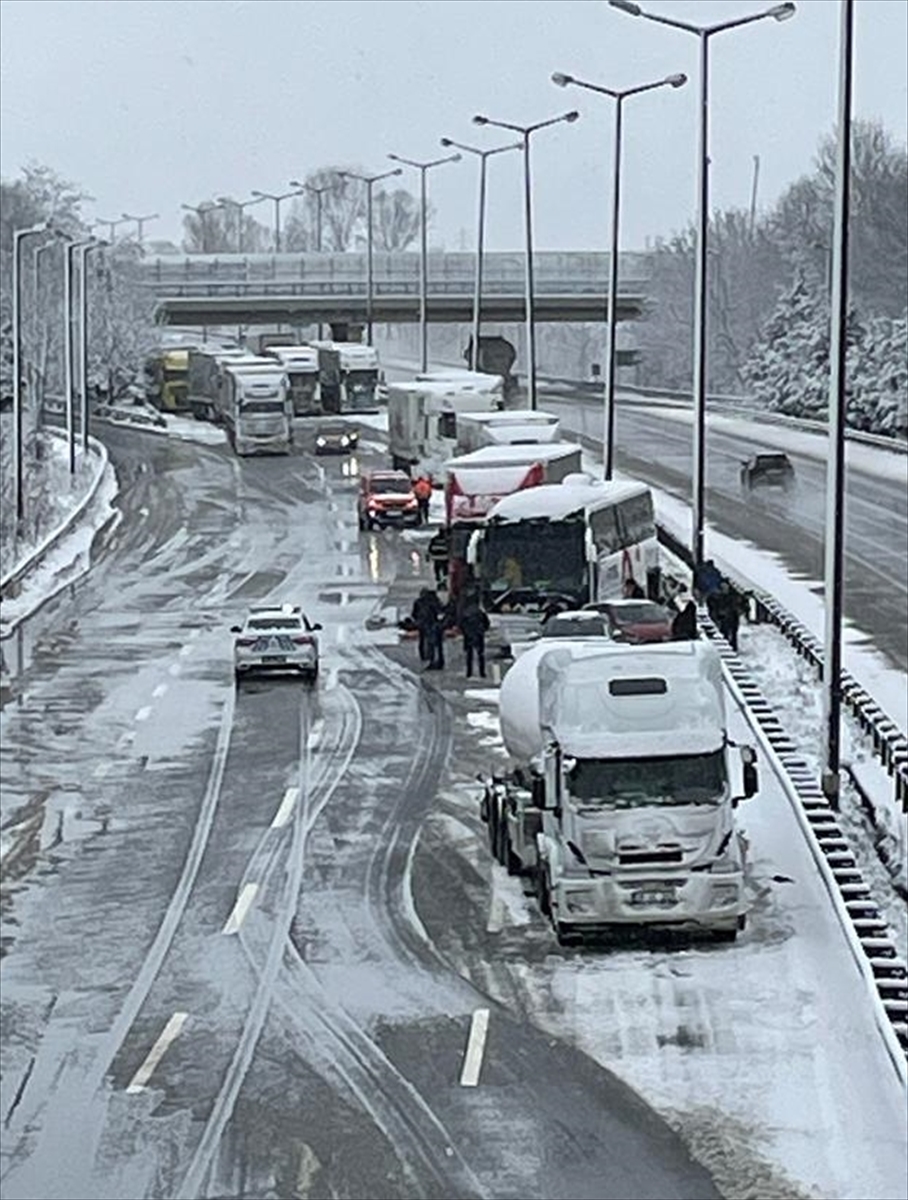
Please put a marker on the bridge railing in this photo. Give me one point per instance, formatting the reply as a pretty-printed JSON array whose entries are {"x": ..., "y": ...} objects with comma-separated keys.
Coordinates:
[{"x": 556, "y": 273}]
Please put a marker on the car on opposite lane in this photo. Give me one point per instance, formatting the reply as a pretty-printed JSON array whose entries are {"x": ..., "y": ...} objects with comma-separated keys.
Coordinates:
[
  {"x": 276, "y": 637},
  {"x": 767, "y": 470}
]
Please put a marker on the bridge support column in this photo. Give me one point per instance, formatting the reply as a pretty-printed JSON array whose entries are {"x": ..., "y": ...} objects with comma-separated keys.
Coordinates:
[{"x": 343, "y": 331}]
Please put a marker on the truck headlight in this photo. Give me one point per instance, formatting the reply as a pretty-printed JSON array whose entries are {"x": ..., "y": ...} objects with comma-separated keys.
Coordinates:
[
  {"x": 319, "y": 441},
  {"x": 725, "y": 894},
  {"x": 580, "y": 900},
  {"x": 345, "y": 441}
]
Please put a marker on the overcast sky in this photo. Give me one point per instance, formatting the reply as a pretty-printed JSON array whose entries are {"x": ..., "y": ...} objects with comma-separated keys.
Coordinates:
[{"x": 150, "y": 104}]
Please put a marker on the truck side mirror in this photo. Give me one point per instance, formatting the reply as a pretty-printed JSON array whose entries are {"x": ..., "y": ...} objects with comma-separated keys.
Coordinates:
[{"x": 749, "y": 771}]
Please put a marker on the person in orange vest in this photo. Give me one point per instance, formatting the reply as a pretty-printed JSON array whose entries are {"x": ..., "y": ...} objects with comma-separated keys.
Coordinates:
[{"x": 422, "y": 490}]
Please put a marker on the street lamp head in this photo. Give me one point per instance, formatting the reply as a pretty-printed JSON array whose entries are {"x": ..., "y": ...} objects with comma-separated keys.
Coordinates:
[
  {"x": 261, "y": 195},
  {"x": 633, "y": 10},
  {"x": 400, "y": 170},
  {"x": 561, "y": 80},
  {"x": 446, "y": 141},
  {"x": 675, "y": 81},
  {"x": 571, "y": 117},
  {"x": 455, "y": 158},
  {"x": 782, "y": 12},
  {"x": 480, "y": 120}
]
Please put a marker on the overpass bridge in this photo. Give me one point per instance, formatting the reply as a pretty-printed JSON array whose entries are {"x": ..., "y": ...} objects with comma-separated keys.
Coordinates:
[{"x": 302, "y": 289}]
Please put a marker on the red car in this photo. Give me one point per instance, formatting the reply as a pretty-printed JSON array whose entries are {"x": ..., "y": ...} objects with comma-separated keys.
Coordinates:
[{"x": 635, "y": 621}]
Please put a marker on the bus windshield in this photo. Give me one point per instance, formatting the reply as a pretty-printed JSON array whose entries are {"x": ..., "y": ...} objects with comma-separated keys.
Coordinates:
[{"x": 545, "y": 556}]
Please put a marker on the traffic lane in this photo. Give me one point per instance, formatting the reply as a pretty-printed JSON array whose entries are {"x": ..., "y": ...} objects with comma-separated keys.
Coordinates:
[
  {"x": 659, "y": 452},
  {"x": 729, "y": 1042},
  {"x": 117, "y": 719}
]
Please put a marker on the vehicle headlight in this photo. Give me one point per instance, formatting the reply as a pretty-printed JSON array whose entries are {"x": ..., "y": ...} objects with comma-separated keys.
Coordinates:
[
  {"x": 345, "y": 441},
  {"x": 580, "y": 900},
  {"x": 725, "y": 894},
  {"x": 319, "y": 441}
]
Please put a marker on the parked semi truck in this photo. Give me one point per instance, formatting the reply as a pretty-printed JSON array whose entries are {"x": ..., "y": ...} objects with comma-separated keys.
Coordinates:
[
  {"x": 511, "y": 427},
  {"x": 204, "y": 376},
  {"x": 254, "y": 407},
  {"x": 301, "y": 365},
  {"x": 422, "y": 420},
  {"x": 620, "y": 795},
  {"x": 167, "y": 379},
  {"x": 348, "y": 377}
]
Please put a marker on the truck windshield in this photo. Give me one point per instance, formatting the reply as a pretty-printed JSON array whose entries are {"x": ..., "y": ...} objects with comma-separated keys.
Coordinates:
[
  {"x": 274, "y": 407},
  {"x": 362, "y": 379},
  {"x": 544, "y": 555},
  {"x": 645, "y": 782}
]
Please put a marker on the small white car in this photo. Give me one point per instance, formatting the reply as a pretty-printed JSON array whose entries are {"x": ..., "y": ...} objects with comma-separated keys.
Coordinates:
[{"x": 276, "y": 637}]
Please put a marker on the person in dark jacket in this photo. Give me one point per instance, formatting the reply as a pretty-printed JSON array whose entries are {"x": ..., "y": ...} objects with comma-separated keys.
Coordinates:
[
  {"x": 437, "y": 553},
  {"x": 426, "y": 609},
  {"x": 684, "y": 623},
  {"x": 728, "y": 607},
  {"x": 473, "y": 625},
  {"x": 632, "y": 589}
]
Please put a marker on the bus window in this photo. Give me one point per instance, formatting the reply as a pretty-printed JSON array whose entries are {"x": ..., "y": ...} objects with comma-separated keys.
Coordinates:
[
  {"x": 635, "y": 519},
  {"x": 604, "y": 527}
]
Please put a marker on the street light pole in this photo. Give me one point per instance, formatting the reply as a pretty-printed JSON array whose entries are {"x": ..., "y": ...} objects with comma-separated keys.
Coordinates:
[
  {"x": 202, "y": 211},
  {"x": 369, "y": 181},
  {"x": 317, "y": 193},
  {"x": 483, "y": 156},
  {"x": 240, "y": 206},
  {"x": 19, "y": 236},
  {"x": 424, "y": 168},
  {"x": 778, "y": 12},
  {"x": 83, "y": 251},
  {"x": 561, "y": 80},
  {"x": 835, "y": 470},
  {"x": 39, "y": 326},
  {"x": 112, "y": 225},
  {"x": 277, "y": 212},
  {"x": 525, "y": 132},
  {"x": 140, "y": 223}
]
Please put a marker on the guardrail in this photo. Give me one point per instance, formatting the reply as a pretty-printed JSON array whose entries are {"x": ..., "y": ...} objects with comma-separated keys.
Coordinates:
[{"x": 13, "y": 578}]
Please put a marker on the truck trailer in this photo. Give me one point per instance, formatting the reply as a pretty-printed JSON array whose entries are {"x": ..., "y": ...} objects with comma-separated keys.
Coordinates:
[
  {"x": 301, "y": 365},
  {"x": 422, "y": 421},
  {"x": 620, "y": 794},
  {"x": 511, "y": 427}
]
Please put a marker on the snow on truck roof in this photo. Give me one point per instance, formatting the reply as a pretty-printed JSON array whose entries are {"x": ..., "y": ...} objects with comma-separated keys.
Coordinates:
[
  {"x": 556, "y": 501},
  {"x": 513, "y": 416},
  {"x": 511, "y": 455}
]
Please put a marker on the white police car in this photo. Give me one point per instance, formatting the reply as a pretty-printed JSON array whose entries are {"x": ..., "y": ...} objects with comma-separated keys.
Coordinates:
[{"x": 275, "y": 637}]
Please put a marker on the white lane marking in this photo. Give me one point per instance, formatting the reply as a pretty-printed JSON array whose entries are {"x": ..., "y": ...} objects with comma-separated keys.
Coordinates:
[
  {"x": 315, "y": 733},
  {"x": 472, "y": 1063},
  {"x": 194, "y": 634},
  {"x": 101, "y": 769},
  {"x": 495, "y": 922},
  {"x": 496, "y": 672},
  {"x": 282, "y": 816},
  {"x": 144, "y": 713},
  {"x": 243, "y": 903},
  {"x": 174, "y": 669},
  {"x": 159, "y": 691},
  {"x": 170, "y": 1031},
  {"x": 184, "y": 650}
]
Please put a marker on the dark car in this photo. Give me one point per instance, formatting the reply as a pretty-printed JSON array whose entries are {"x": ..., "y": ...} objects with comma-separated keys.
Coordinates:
[
  {"x": 636, "y": 621},
  {"x": 767, "y": 470},
  {"x": 335, "y": 437}
]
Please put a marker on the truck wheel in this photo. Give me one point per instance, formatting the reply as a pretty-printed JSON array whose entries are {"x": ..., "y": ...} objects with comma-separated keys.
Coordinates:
[
  {"x": 511, "y": 861},
  {"x": 566, "y": 935}
]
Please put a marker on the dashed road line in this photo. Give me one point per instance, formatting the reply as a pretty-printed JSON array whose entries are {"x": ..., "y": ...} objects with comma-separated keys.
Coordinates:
[
  {"x": 282, "y": 816},
  {"x": 243, "y": 903},
  {"x": 472, "y": 1062},
  {"x": 170, "y": 1031},
  {"x": 174, "y": 669},
  {"x": 144, "y": 713},
  {"x": 159, "y": 691},
  {"x": 101, "y": 769}
]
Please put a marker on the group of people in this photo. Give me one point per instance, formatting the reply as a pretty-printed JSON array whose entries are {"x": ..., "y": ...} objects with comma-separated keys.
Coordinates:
[
  {"x": 432, "y": 619},
  {"x": 724, "y": 604}
]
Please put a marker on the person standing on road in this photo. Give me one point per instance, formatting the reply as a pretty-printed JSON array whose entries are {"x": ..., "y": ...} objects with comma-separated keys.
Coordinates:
[
  {"x": 473, "y": 625},
  {"x": 442, "y": 619},
  {"x": 425, "y": 614},
  {"x": 437, "y": 554},
  {"x": 422, "y": 490},
  {"x": 684, "y": 623}
]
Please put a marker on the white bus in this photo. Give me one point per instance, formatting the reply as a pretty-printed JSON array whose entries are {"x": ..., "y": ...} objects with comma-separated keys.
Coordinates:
[{"x": 572, "y": 542}]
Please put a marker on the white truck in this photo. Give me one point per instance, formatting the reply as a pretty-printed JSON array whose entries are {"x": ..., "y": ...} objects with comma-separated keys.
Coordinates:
[
  {"x": 254, "y": 407},
  {"x": 301, "y": 365},
  {"x": 621, "y": 790},
  {"x": 348, "y": 377},
  {"x": 422, "y": 420},
  {"x": 204, "y": 369},
  {"x": 511, "y": 427}
]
